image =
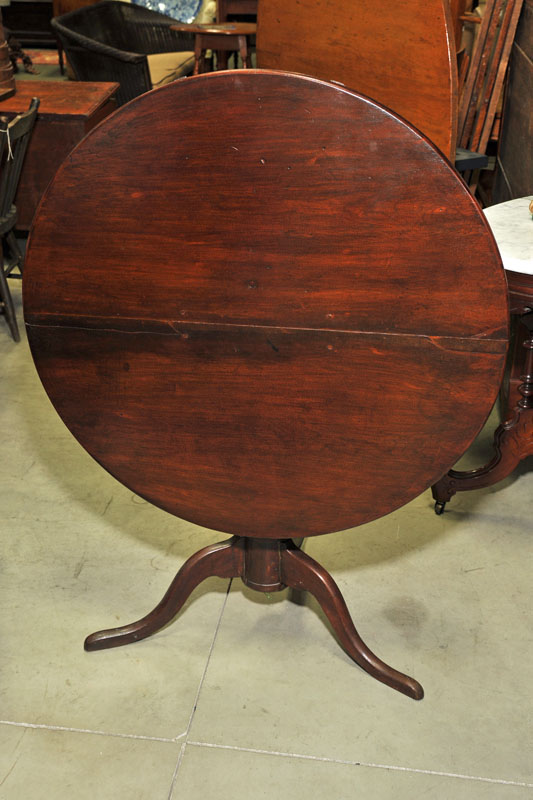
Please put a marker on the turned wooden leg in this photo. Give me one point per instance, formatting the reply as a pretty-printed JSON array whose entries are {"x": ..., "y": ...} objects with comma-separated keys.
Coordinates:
[
  {"x": 9, "y": 309},
  {"x": 198, "y": 55},
  {"x": 243, "y": 51},
  {"x": 224, "y": 560},
  {"x": 222, "y": 59},
  {"x": 300, "y": 571},
  {"x": 513, "y": 440},
  {"x": 17, "y": 257}
]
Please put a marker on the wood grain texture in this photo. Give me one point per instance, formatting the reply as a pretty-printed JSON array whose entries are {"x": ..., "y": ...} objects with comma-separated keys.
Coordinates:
[
  {"x": 263, "y": 331},
  {"x": 61, "y": 98},
  {"x": 402, "y": 55}
]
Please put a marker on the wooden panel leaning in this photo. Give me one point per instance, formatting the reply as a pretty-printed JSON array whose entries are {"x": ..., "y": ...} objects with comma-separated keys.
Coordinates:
[
  {"x": 402, "y": 55},
  {"x": 265, "y": 328}
]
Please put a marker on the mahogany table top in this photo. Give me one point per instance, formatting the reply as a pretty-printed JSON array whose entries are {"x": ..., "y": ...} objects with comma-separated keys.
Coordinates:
[{"x": 265, "y": 304}]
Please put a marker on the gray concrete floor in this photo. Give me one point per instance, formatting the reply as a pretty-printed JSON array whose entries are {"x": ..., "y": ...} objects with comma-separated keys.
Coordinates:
[{"x": 244, "y": 695}]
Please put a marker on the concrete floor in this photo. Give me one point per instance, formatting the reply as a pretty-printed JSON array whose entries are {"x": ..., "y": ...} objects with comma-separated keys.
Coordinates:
[{"x": 245, "y": 695}]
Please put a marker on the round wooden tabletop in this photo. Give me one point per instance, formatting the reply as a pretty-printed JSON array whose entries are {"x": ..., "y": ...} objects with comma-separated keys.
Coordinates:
[{"x": 266, "y": 304}]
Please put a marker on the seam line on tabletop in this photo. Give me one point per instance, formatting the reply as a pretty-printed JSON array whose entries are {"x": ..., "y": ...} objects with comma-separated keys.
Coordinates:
[
  {"x": 171, "y": 329},
  {"x": 370, "y": 764},
  {"x": 38, "y": 726}
]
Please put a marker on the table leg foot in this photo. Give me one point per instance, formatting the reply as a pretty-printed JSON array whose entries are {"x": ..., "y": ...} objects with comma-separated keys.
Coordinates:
[
  {"x": 299, "y": 571},
  {"x": 225, "y": 560}
]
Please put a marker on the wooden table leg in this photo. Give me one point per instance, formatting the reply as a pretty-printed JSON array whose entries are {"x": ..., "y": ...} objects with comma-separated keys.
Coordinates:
[
  {"x": 266, "y": 565},
  {"x": 223, "y": 560},
  {"x": 198, "y": 54},
  {"x": 302, "y": 572},
  {"x": 243, "y": 51},
  {"x": 513, "y": 439}
]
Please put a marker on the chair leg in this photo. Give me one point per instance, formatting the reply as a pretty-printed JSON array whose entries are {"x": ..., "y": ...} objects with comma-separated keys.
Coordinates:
[
  {"x": 9, "y": 309},
  {"x": 16, "y": 252}
]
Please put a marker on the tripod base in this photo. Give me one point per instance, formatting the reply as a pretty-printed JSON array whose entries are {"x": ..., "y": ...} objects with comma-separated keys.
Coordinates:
[{"x": 267, "y": 565}]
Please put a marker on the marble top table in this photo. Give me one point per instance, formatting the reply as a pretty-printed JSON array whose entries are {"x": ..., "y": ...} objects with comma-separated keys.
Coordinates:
[{"x": 512, "y": 226}]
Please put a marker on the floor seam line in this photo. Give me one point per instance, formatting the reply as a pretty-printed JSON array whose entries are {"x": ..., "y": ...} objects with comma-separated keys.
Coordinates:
[
  {"x": 348, "y": 762},
  {"x": 200, "y": 685},
  {"x": 176, "y": 770},
  {"x": 210, "y": 653},
  {"x": 113, "y": 734}
]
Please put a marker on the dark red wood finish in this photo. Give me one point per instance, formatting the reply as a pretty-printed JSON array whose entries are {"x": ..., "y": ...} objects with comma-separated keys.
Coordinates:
[
  {"x": 247, "y": 312},
  {"x": 267, "y": 566},
  {"x": 250, "y": 316}
]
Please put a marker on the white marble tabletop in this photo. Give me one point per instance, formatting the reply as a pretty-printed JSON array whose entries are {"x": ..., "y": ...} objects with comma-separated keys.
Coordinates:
[{"x": 512, "y": 226}]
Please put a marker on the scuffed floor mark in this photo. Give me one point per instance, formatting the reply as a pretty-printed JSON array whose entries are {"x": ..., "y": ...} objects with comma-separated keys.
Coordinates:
[{"x": 79, "y": 566}]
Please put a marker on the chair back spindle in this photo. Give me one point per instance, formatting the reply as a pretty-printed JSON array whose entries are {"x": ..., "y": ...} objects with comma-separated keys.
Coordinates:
[{"x": 14, "y": 139}]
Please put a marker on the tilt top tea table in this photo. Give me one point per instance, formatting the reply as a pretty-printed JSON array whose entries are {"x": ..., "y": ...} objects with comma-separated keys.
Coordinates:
[{"x": 253, "y": 297}]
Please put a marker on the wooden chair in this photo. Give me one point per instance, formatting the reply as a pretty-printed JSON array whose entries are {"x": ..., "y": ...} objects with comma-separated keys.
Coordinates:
[
  {"x": 116, "y": 41},
  {"x": 15, "y": 136}
]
